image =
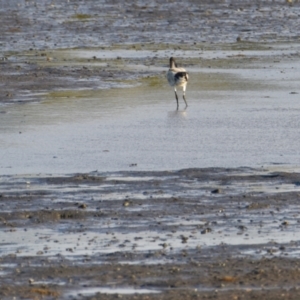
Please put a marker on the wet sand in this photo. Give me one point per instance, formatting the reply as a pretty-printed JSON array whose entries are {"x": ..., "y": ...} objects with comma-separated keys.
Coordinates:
[{"x": 107, "y": 192}]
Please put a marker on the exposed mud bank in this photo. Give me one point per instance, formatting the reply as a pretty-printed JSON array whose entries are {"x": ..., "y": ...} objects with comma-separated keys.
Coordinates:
[
  {"x": 195, "y": 233},
  {"x": 31, "y": 31}
]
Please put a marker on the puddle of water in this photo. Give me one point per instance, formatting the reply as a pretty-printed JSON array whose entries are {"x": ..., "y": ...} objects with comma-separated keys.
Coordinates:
[
  {"x": 104, "y": 290},
  {"x": 10, "y": 266},
  {"x": 240, "y": 288},
  {"x": 128, "y": 178},
  {"x": 3, "y": 273},
  {"x": 241, "y": 187},
  {"x": 47, "y": 282}
]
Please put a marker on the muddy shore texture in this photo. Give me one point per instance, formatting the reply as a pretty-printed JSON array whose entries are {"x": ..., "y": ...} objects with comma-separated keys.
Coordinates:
[
  {"x": 31, "y": 31},
  {"x": 191, "y": 234}
]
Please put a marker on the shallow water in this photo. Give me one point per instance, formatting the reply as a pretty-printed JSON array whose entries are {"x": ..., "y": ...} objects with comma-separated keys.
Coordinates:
[
  {"x": 114, "y": 290},
  {"x": 246, "y": 116}
]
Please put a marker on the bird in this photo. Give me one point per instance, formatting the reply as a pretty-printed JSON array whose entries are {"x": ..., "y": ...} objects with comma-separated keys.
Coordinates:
[{"x": 177, "y": 77}]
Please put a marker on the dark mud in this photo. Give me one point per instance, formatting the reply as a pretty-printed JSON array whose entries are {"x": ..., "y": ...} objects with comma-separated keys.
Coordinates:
[
  {"x": 189, "y": 234},
  {"x": 62, "y": 24}
]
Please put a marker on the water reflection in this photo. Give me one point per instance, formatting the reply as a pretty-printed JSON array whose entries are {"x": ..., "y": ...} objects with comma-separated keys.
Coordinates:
[{"x": 178, "y": 114}]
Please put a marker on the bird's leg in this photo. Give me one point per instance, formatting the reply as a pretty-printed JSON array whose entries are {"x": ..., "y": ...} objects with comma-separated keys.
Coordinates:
[
  {"x": 176, "y": 98},
  {"x": 186, "y": 105},
  {"x": 184, "y": 87}
]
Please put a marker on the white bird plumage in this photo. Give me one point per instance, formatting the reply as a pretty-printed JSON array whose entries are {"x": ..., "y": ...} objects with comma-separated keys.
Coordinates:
[{"x": 177, "y": 77}]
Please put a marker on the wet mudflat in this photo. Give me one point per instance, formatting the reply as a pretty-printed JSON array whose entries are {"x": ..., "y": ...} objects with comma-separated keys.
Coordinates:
[
  {"x": 63, "y": 99},
  {"x": 107, "y": 192},
  {"x": 243, "y": 111},
  {"x": 189, "y": 234},
  {"x": 30, "y": 66}
]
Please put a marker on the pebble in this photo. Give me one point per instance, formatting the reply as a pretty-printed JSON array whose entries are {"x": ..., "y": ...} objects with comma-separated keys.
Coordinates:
[
  {"x": 184, "y": 239},
  {"x": 206, "y": 230},
  {"x": 82, "y": 206},
  {"x": 126, "y": 203}
]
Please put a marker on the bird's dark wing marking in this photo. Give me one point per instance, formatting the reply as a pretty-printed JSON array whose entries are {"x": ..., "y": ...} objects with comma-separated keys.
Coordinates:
[{"x": 180, "y": 75}]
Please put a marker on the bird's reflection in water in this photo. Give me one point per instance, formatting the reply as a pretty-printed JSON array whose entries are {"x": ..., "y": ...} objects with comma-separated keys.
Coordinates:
[
  {"x": 177, "y": 120},
  {"x": 181, "y": 114}
]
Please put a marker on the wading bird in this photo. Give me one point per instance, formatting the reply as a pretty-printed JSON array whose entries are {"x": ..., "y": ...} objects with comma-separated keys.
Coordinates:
[{"x": 177, "y": 77}]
